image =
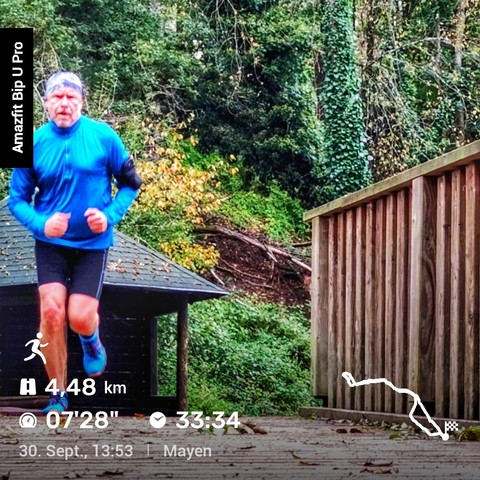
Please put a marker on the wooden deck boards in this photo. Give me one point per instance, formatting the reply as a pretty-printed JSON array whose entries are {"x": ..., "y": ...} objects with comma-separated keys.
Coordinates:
[{"x": 292, "y": 448}]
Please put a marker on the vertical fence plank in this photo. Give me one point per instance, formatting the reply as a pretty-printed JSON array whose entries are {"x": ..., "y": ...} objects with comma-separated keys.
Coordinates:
[
  {"x": 319, "y": 311},
  {"x": 349, "y": 302},
  {"x": 332, "y": 309},
  {"x": 370, "y": 281},
  {"x": 422, "y": 288},
  {"x": 442, "y": 296},
  {"x": 340, "y": 314},
  {"x": 390, "y": 297},
  {"x": 379, "y": 318},
  {"x": 457, "y": 306},
  {"x": 472, "y": 211},
  {"x": 359, "y": 320},
  {"x": 401, "y": 304}
]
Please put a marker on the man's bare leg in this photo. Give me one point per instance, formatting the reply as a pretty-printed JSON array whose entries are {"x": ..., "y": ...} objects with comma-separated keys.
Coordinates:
[
  {"x": 83, "y": 318},
  {"x": 83, "y": 314},
  {"x": 53, "y": 324}
]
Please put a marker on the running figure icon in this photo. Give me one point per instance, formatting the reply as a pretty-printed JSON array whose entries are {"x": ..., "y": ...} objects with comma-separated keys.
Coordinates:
[{"x": 35, "y": 348}]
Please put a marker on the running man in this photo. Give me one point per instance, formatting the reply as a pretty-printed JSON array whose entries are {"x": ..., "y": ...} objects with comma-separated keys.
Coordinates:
[{"x": 72, "y": 220}]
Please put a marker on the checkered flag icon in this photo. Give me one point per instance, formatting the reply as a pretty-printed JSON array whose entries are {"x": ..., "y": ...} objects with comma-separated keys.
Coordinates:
[{"x": 451, "y": 426}]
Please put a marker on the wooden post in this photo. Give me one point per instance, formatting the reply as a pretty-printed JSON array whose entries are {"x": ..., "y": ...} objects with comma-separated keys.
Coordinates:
[
  {"x": 370, "y": 282},
  {"x": 182, "y": 355},
  {"x": 457, "y": 295},
  {"x": 472, "y": 225},
  {"x": 153, "y": 354},
  {"x": 422, "y": 288},
  {"x": 378, "y": 331},
  {"x": 359, "y": 318},
  {"x": 390, "y": 296},
  {"x": 339, "y": 314},
  {"x": 332, "y": 309},
  {"x": 401, "y": 305},
  {"x": 443, "y": 296},
  {"x": 350, "y": 247},
  {"x": 319, "y": 314}
]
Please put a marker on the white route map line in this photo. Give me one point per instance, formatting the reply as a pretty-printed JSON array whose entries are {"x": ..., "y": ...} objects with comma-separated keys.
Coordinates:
[{"x": 416, "y": 402}]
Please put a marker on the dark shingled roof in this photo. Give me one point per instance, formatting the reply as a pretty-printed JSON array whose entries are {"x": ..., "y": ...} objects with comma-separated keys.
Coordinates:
[{"x": 130, "y": 264}]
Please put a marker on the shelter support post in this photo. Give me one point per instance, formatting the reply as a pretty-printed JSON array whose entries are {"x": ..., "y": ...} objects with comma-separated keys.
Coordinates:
[
  {"x": 153, "y": 361},
  {"x": 182, "y": 354}
]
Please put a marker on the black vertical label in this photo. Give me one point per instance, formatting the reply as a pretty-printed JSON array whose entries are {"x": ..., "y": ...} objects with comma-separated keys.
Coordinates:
[{"x": 16, "y": 97}]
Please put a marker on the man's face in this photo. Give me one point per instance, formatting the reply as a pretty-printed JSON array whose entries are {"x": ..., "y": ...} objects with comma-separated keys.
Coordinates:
[{"x": 64, "y": 105}]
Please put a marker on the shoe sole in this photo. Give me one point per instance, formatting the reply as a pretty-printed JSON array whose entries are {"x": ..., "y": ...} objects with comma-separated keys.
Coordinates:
[{"x": 95, "y": 375}]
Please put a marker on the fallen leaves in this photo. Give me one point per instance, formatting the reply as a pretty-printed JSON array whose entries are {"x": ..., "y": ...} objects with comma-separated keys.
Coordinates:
[
  {"x": 344, "y": 430},
  {"x": 378, "y": 471},
  {"x": 108, "y": 473},
  {"x": 470, "y": 434},
  {"x": 246, "y": 428},
  {"x": 255, "y": 428}
]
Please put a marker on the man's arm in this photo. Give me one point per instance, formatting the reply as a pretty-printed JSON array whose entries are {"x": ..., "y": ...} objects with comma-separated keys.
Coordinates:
[
  {"x": 128, "y": 183},
  {"x": 22, "y": 188}
]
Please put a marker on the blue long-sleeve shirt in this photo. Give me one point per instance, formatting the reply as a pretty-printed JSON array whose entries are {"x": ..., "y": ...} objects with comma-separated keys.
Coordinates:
[{"x": 72, "y": 169}]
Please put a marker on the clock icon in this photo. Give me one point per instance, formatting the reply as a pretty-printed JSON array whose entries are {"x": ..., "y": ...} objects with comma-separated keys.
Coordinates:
[{"x": 158, "y": 420}]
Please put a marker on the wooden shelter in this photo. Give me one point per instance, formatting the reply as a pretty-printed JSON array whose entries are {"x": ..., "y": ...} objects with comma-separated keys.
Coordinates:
[
  {"x": 140, "y": 284},
  {"x": 395, "y": 290}
]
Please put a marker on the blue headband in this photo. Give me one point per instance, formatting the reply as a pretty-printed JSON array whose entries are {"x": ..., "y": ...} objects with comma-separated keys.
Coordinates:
[{"x": 63, "y": 79}]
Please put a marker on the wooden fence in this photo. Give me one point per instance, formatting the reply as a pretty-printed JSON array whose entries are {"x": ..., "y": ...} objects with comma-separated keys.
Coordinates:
[{"x": 395, "y": 290}]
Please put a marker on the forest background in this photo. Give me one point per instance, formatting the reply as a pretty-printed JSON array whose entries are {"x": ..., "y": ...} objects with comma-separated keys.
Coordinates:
[{"x": 240, "y": 115}]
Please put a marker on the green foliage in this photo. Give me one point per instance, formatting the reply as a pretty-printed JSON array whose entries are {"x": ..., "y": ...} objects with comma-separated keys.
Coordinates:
[
  {"x": 412, "y": 87},
  {"x": 272, "y": 212},
  {"x": 51, "y": 36},
  {"x": 129, "y": 53},
  {"x": 174, "y": 197},
  {"x": 5, "y": 174},
  {"x": 230, "y": 173},
  {"x": 256, "y": 95},
  {"x": 244, "y": 355},
  {"x": 344, "y": 168},
  {"x": 249, "y": 205},
  {"x": 471, "y": 434},
  {"x": 279, "y": 91}
]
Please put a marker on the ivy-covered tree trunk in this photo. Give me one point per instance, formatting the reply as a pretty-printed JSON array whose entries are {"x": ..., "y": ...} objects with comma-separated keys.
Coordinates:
[
  {"x": 345, "y": 165},
  {"x": 459, "y": 41}
]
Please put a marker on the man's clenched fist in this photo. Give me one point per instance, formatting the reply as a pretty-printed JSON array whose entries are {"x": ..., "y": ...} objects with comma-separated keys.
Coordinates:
[
  {"x": 56, "y": 225},
  {"x": 96, "y": 219}
]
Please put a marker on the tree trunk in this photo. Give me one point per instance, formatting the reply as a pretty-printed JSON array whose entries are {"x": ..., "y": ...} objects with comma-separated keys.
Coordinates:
[{"x": 459, "y": 45}]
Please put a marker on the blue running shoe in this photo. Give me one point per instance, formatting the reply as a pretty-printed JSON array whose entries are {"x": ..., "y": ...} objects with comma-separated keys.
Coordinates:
[
  {"x": 94, "y": 355},
  {"x": 57, "y": 402}
]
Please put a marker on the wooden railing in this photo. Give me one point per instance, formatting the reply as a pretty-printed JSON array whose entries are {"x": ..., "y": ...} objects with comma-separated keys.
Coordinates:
[{"x": 396, "y": 290}]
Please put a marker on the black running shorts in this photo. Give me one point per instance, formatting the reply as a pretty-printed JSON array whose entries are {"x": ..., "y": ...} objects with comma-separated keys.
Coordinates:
[{"x": 80, "y": 270}]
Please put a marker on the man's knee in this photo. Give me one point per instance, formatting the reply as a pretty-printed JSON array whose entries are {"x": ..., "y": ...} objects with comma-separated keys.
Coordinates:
[
  {"x": 52, "y": 307},
  {"x": 52, "y": 314},
  {"x": 82, "y": 314}
]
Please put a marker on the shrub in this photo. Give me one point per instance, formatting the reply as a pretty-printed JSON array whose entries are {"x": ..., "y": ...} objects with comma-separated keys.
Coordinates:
[
  {"x": 244, "y": 355},
  {"x": 273, "y": 212},
  {"x": 173, "y": 199}
]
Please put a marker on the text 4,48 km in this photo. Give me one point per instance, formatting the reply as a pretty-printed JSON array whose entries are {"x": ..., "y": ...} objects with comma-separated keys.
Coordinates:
[
  {"x": 87, "y": 388},
  {"x": 62, "y": 419}
]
